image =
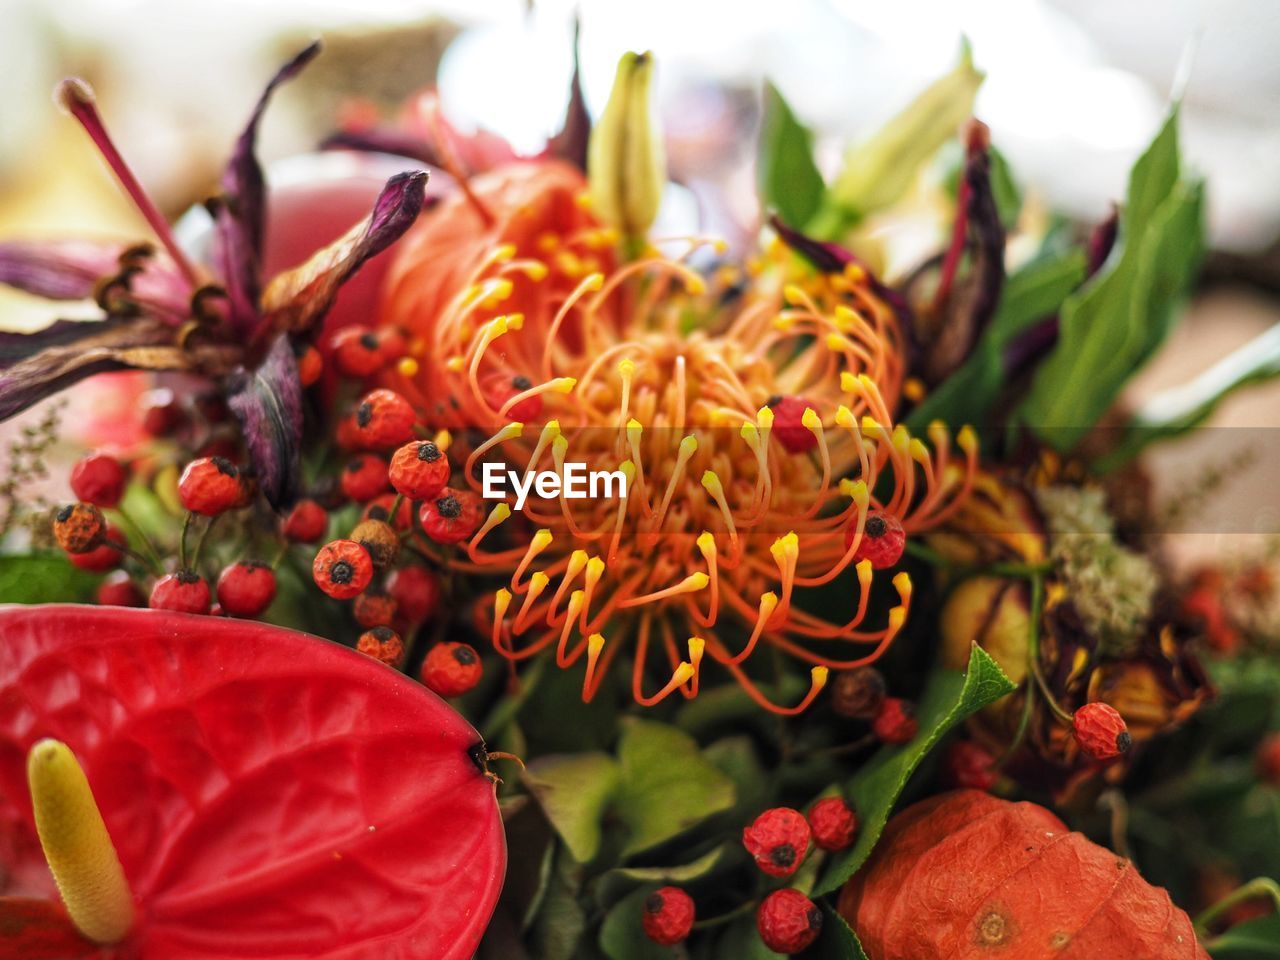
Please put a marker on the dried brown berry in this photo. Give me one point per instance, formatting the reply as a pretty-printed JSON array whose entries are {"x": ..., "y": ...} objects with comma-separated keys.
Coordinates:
[
  {"x": 857, "y": 694},
  {"x": 79, "y": 527},
  {"x": 379, "y": 539},
  {"x": 383, "y": 644}
]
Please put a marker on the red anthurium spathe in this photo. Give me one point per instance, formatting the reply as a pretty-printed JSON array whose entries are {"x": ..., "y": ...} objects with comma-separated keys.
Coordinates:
[{"x": 268, "y": 794}]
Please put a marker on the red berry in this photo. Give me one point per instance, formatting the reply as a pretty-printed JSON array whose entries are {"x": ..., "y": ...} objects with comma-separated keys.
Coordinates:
[
  {"x": 1100, "y": 731},
  {"x": 79, "y": 527},
  {"x": 1267, "y": 761},
  {"x": 391, "y": 343},
  {"x": 384, "y": 419},
  {"x": 788, "y": 921},
  {"x": 347, "y": 434},
  {"x": 383, "y": 644},
  {"x": 105, "y": 556},
  {"x": 379, "y": 539},
  {"x": 98, "y": 479},
  {"x": 162, "y": 413},
  {"x": 357, "y": 352},
  {"x": 419, "y": 470},
  {"x": 210, "y": 485},
  {"x": 882, "y": 539},
  {"x": 245, "y": 589},
  {"x": 342, "y": 569},
  {"x": 379, "y": 508},
  {"x": 498, "y": 388},
  {"x": 306, "y": 522},
  {"x": 310, "y": 366},
  {"x": 364, "y": 477},
  {"x": 119, "y": 590},
  {"x": 185, "y": 591},
  {"x": 374, "y": 609},
  {"x": 453, "y": 516},
  {"x": 857, "y": 694},
  {"x": 833, "y": 822},
  {"x": 416, "y": 591},
  {"x": 779, "y": 840},
  {"x": 968, "y": 766},
  {"x": 788, "y": 423},
  {"x": 451, "y": 669},
  {"x": 668, "y": 916},
  {"x": 895, "y": 722}
]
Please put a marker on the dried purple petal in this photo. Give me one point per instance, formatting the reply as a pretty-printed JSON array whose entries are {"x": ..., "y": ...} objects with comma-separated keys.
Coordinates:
[
  {"x": 240, "y": 211},
  {"x": 268, "y": 404},
  {"x": 570, "y": 144},
  {"x": 383, "y": 140},
  {"x": 298, "y": 298},
  {"x": 58, "y": 269}
]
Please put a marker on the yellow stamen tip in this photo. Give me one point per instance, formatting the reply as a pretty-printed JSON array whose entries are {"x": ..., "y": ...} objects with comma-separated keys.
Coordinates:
[
  {"x": 501, "y": 601},
  {"x": 538, "y": 582},
  {"x": 696, "y": 647},
  {"x": 848, "y": 382},
  {"x": 627, "y": 367},
  {"x": 407, "y": 367},
  {"x": 697, "y": 581},
  {"x": 499, "y": 514},
  {"x": 793, "y": 295},
  {"x": 768, "y": 602},
  {"x": 595, "y": 282},
  {"x": 454, "y": 364},
  {"x": 515, "y": 321},
  {"x": 897, "y": 617},
  {"x": 844, "y": 416},
  {"x": 695, "y": 286},
  {"x": 902, "y": 583},
  {"x": 811, "y": 419},
  {"x": 595, "y": 567},
  {"x": 536, "y": 271},
  {"x": 683, "y": 674},
  {"x": 563, "y": 384},
  {"x": 764, "y": 418},
  {"x": 541, "y": 539},
  {"x": 711, "y": 482},
  {"x": 504, "y": 253},
  {"x": 688, "y": 446},
  {"x": 865, "y": 571},
  {"x": 77, "y": 845},
  {"x": 443, "y": 439},
  {"x": 707, "y": 544},
  {"x": 967, "y": 440},
  {"x": 837, "y": 342},
  {"x": 818, "y": 677},
  {"x": 595, "y": 643}
]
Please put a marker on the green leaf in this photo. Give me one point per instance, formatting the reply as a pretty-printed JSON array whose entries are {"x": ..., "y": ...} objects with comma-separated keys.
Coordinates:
[
  {"x": 1034, "y": 292},
  {"x": 837, "y": 940},
  {"x": 1255, "y": 940},
  {"x": 789, "y": 180},
  {"x": 573, "y": 790},
  {"x": 1005, "y": 189},
  {"x": 667, "y": 785},
  {"x": 1175, "y": 411},
  {"x": 680, "y": 873},
  {"x": 43, "y": 578},
  {"x": 561, "y": 920},
  {"x": 741, "y": 941},
  {"x": 878, "y": 172},
  {"x": 1113, "y": 325},
  {"x": 949, "y": 698}
]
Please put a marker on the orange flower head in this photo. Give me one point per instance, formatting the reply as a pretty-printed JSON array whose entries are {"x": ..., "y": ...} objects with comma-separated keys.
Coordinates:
[{"x": 654, "y": 371}]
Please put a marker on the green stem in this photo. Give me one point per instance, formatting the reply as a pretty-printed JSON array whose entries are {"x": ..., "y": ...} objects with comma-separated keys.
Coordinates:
[
  {"x": 136, "y": 530},
  {"x": 1258, "y": 887},
  {"x": 195, "y": 556},
  {"x": 1026, "y": 571},
  {"x": 719, "y": 921},
  {"x": 182, "y": 541},
  {"x": 1033, "y": 650}
]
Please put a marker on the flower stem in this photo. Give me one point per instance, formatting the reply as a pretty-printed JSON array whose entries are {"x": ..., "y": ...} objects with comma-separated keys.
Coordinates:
[
  {"x": 1258, "y": 887},
  {"x": 1033, "y": 649}
]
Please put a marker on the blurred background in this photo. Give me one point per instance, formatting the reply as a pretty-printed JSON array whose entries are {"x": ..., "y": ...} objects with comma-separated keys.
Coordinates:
[{"x": 1075, "y": 89}]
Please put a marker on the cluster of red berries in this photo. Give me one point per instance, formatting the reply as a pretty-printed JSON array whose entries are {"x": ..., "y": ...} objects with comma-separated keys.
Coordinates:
[
  {"x": 862, "y": 694},
  {"x": 778, "y": 840}
]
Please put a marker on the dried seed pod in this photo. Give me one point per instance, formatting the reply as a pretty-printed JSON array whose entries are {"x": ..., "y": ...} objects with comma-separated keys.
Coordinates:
[{"x": 857, "y": 694}]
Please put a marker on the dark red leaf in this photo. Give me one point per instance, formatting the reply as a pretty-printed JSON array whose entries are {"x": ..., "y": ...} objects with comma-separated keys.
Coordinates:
[
  {"x": 570, "y": 144},
  {"x": 240, "y": 212},
  {"x": 270, "y": 794},
  {"x": 268, "y": 404}
]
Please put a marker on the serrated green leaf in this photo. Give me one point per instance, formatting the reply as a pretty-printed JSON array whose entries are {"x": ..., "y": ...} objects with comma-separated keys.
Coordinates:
[
  {"x": 948, "y": 699},
  {"x": 837, "y": 940},
  {"x": 1114, "y": 324},
  {"x": 667, "y": 786},
  {"x": 879, "y": 171},
  {"x": 574, "y": 790},
  {"x": 43, "y": 578},
  {"x": 789, "y": 180},
  {"x": 1254, "y": 940},
  {"x": 1032, "y": 293}
]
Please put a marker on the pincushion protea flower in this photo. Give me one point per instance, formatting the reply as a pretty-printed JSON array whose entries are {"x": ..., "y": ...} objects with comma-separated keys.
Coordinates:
[{"x": 650, "y": 368}]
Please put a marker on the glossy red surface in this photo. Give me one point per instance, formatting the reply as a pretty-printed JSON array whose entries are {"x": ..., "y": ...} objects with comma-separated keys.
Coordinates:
[{"x": 270, "y": 794}]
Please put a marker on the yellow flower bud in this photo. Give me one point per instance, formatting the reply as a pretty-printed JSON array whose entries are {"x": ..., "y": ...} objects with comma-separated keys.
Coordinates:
[{"x": 626, "y": 164}]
